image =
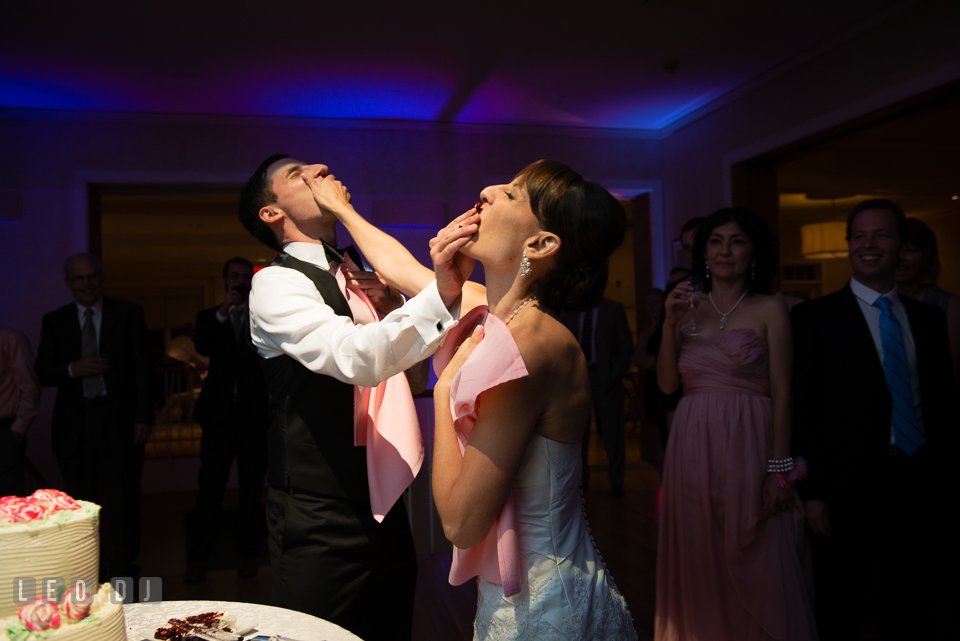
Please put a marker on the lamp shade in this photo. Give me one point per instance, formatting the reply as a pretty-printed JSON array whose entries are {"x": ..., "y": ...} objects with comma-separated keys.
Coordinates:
[{"x": 824, "y": 240}]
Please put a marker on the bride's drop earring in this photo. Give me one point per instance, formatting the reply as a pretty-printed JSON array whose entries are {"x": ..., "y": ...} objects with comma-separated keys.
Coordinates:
[
  {"x": 708, "y": 270},
  {"x": 525, "y": 265}
]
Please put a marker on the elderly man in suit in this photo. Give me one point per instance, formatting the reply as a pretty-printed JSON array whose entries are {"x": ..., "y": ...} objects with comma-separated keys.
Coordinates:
[
  {"x": 233, "y": 411},
  {"x": 604, "y": 336},
  {"x": 96, "y": 353},
  {"x": 871, "y": 391}
]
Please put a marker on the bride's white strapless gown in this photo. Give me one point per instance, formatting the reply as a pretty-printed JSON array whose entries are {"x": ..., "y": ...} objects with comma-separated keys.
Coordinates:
[{"x": 566, "y": 590}]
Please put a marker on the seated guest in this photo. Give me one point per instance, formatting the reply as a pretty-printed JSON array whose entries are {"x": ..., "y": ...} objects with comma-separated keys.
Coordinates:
[{"x": 917, "y": 278}]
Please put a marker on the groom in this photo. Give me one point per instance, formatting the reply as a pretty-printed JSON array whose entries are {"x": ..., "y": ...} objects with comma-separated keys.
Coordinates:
[{"x": 330, "y": 557}]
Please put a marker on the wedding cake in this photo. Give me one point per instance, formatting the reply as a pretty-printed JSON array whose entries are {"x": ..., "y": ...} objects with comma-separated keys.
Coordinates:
[{"x": 49, "y": 563}]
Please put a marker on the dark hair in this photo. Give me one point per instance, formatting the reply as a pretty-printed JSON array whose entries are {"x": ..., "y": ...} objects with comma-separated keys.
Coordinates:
[
  {"x": 238, "y": 260},
  {"x": 590, "y": 223},
  {"x": 917, "y": 233},
  {"x": 879, "y": 203},
  {"x": 256, "y": 195},
  {"x": 693, "y": 223},
  {"x": 764, "y": 254}
]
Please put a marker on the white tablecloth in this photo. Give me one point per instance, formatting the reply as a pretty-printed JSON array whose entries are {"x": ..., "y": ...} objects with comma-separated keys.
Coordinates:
[{"x": 267, "y": 619}]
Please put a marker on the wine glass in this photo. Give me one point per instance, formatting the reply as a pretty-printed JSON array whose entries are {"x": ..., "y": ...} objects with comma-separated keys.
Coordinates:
[{"x": 691, "y": 327}]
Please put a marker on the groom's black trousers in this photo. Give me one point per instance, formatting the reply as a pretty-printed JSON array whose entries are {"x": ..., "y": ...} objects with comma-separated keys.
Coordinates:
[{"x": 330, "y": 558}]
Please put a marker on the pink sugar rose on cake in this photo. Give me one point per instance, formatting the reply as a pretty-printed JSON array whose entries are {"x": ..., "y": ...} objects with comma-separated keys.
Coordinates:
[
  {"x": 22, "y": 510},
  {"x": 53, "y": 500},
  {"x": 75, "y": 603},
  {"x": 40, "y": 615}
]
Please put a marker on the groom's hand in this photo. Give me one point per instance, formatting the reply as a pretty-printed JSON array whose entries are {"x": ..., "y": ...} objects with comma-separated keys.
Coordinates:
[
  {"x": 451, "y": 267},
  {"x": 384, "y": 298}
]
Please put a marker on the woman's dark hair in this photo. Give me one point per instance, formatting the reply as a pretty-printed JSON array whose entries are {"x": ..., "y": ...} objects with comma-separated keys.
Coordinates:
[
  {"x": 590, "y": 223},
  {"x": 917, "y": 233},
  {"x": 764, "y": 254},
  {"x": 256, "y": 195}
]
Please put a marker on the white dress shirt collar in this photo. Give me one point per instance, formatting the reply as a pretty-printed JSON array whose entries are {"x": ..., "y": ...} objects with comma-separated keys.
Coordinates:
[
  {"x": 97, "y": 308},
  {"x": 870, "y": 296},
  {"x": 313, "y": 253}
]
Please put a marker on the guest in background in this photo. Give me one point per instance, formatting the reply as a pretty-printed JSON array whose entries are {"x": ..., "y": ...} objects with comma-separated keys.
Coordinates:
[
  {"x": 917, "y": 278},
  {"x": 729, "y": 565},
  {"x": 874, "y": 416},
  {"x": 776, "y": 287},
  {"x": 688, "y": 234},
  {"x": 96, "y": 353},
  {"x": 677, "y": 274},
  {"x": 233, "y": 412},
  {"x": 604, "y": 335},
  {"x": 19, "y": 405},
  {"x": 645, "y": 358}
]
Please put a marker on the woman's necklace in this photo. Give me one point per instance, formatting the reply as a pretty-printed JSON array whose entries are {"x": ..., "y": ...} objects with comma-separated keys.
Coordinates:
[
  {"x": 723, "y": 317},
  {"x": 517, "y": 310}
]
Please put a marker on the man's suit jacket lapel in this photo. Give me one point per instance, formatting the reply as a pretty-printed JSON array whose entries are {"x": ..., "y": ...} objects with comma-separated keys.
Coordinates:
[
  {"x": 72, "y": 332},
  {"x": 862, "y": 350},
  {"x": 108, "y": 326}
]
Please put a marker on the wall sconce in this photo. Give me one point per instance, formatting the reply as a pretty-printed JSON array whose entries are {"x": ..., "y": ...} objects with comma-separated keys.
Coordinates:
[{"x": 824, "y": 240}]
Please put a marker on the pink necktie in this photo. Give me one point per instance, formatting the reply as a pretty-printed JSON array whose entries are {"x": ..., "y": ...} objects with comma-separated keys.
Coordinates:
[{"x": 384, "y": 419}]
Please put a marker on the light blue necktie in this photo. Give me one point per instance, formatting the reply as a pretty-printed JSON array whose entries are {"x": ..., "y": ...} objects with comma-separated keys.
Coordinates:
[{"x": 906, "y": 434}]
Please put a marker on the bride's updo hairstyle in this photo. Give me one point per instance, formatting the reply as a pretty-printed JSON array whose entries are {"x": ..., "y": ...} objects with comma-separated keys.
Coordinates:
[{"x": 590, "y": 223}]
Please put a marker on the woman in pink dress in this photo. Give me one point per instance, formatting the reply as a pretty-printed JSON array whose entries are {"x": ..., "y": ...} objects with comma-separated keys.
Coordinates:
[
  {"x": 513, "y": 398},
  {"x": 731, "y": 544}
]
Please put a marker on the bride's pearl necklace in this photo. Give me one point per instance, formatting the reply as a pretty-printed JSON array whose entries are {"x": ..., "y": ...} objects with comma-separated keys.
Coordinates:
[
  {"x": 517, "y": 310},
  {"x": 723, "y": 316}
]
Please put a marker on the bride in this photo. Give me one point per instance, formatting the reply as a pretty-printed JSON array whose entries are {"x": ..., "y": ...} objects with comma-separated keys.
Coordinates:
[{"x": 513, "y": 397}]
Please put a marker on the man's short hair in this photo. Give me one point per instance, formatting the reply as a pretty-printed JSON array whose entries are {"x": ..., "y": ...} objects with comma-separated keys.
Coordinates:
[
  {"x": 92, "y": 258},
  {"x": 691, "y": 225},
  {"x": 880, "y": 203},
  {"x": 256, "y": 195},
  {"x": 238, "y": 260}
]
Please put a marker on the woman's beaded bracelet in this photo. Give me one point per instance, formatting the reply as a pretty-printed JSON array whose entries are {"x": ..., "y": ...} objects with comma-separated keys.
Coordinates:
[{"x": 780, "y": 465}]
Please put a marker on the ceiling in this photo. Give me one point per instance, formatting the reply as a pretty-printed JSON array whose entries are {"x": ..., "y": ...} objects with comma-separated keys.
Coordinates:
[{"x": 624, "y": 64}]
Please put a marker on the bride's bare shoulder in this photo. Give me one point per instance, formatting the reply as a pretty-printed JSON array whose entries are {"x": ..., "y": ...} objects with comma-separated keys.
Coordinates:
[{"x": 548, "y": 346}]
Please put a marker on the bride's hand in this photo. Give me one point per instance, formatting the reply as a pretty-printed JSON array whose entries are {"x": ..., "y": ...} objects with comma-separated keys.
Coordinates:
[
  {"x": 460, "y": 357},
  {"x": 329, "y": 193}
]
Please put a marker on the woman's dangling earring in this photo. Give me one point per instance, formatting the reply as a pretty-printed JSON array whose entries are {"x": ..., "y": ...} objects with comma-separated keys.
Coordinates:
[
  {"x": 525, "y": 265},
  {"x": 708, "y": 270}
]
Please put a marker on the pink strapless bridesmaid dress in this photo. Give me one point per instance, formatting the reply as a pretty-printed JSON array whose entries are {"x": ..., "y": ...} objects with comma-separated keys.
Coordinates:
[{"x": 726, "y": 569}]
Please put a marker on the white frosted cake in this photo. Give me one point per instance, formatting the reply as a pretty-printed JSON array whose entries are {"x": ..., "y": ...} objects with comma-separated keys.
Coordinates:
[{"x": 44, "y": 536}]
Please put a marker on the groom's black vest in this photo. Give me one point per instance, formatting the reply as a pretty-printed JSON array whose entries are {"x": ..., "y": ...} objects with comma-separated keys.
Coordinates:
[{"x": 311, "y": 431}]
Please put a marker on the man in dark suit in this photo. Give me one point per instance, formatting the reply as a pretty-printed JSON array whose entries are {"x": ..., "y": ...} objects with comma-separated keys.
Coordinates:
[
  {"x": 95, "y": 352},
  {"x": 871, "y": 386},
  {"x": 233, "y": 412},
  {"x": 604, "y": 336}
]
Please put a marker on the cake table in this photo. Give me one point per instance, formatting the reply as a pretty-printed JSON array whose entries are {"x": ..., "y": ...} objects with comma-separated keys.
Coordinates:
[{"x": 266, "y": 620}]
